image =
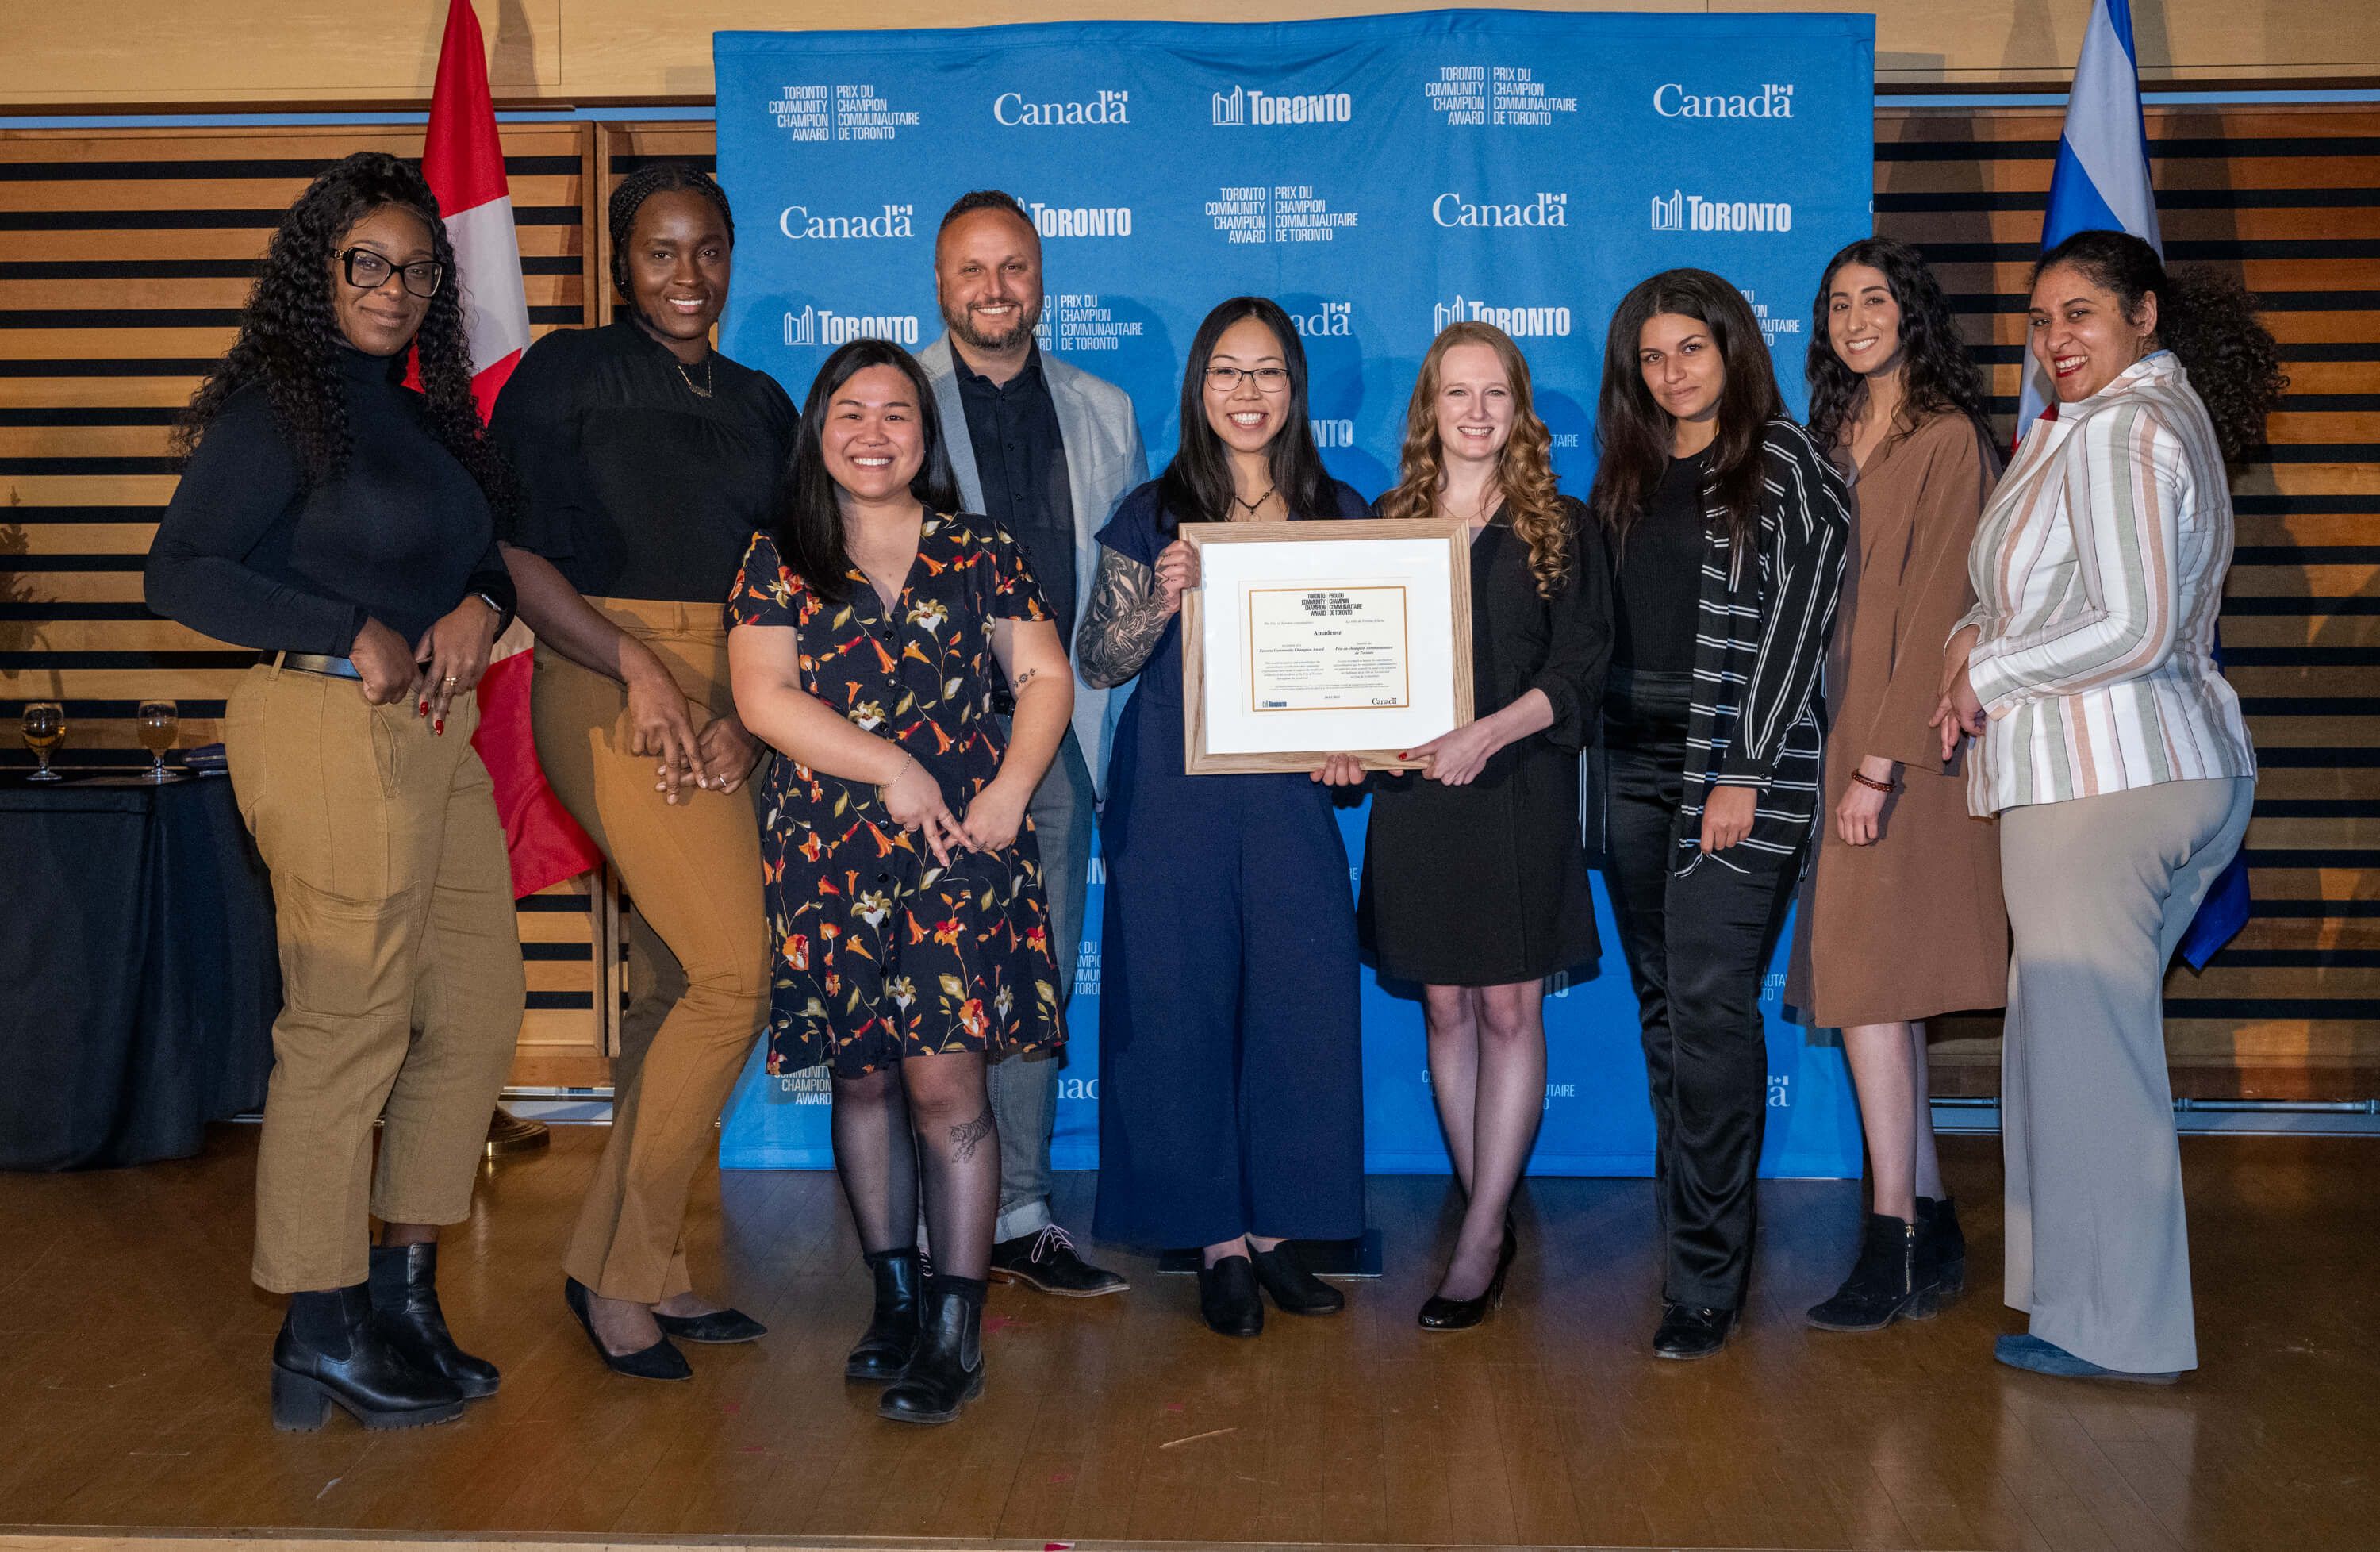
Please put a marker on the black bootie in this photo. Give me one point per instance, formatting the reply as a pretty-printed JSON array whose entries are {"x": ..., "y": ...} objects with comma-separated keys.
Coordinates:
[
  {"x": 331, "y": 1351},
  {"x": 1883, "y": 1284},
  {"x": 892, "y": 1332},
  {"x": 1941, "y": 1254},
  {"x": 405, "y": 1307},
  {"x": 946, "y": 1370}
]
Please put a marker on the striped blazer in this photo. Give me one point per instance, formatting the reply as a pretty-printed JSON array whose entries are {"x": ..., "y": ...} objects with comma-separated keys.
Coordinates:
[
  {"x": 1760, "y": 648},
  {"x": 2098, "y": 571}
]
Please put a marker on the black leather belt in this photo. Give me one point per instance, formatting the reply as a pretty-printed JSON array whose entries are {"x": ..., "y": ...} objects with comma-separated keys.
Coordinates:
[{"x": 314, "y": 662}]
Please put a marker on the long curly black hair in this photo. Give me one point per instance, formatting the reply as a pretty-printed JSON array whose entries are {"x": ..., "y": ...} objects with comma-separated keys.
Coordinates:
[
  {"x": 289, "y": 337},
  {"x": 2207, "y": 319},
  {"x": 1936, "y": 374}
]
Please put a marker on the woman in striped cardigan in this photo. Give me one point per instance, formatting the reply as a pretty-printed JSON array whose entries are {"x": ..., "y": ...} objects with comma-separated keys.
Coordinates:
[
  {"x": 1728, "y": 527},
  {"x": 2120, "y": 766}
]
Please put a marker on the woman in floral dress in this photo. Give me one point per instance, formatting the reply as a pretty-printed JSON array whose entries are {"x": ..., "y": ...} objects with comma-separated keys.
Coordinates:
[{"x": 903, "y": 888}]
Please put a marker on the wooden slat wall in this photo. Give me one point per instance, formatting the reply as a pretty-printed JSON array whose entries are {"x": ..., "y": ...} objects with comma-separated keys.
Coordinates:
[
  {"x": 2286, "y": 200},
  {"x": 124, "y": 260},
  {"x": 118, "y": 277}
]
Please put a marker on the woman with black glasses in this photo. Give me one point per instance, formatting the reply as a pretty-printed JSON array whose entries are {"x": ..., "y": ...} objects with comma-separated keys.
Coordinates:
[
  {"x": 1232, "y": 1110},
  {"x": 345, "y": 526}
]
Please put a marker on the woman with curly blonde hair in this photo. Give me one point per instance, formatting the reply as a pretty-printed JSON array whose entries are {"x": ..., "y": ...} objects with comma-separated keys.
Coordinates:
[{"x": 1474, "y": 881}]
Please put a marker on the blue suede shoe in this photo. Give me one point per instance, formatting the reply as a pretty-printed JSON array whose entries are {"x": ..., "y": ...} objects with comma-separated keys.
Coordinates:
[{"x": 2039, "y": 1357}]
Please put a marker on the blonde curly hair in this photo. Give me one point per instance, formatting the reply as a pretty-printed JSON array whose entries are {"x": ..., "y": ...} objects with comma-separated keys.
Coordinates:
[{"x": 1525, "y": 471}]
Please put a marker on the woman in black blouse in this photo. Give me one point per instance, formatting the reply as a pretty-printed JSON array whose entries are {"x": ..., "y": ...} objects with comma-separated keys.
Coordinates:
[
  {"x": 905, "y": 908},
  {"x": 647, "y": 459},
  {"x": 1729, "y": 526},
  {"x": 1474, "y": 881},
  {"x": 345, "y": 526}
]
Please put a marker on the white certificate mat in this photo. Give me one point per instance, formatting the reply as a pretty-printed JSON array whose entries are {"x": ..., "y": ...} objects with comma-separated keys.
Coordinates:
[{"x": 1315, "y": 646}]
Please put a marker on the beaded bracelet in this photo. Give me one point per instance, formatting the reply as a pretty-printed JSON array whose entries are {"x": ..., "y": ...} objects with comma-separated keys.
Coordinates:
[{"x": 1870, "y": 782}]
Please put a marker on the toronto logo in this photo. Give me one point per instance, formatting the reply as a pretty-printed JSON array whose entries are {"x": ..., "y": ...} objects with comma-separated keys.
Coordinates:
[
  {"x": 1680, "y": 211},
  {"x": 817, "y": 325},
  {"x": 1243, "y": 105}
]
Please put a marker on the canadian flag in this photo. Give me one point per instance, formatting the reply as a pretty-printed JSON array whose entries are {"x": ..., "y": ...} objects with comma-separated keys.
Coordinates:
[{"x": 464, "y": 162}]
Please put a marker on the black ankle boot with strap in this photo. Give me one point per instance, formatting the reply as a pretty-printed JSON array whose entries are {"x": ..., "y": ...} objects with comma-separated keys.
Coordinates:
[
  {"x": 330, "y": 1352},
  {"x": 1883, "y": 1284},
  {"x": 946, "y": 1370},
  {"x": 404, "y": 1286}
]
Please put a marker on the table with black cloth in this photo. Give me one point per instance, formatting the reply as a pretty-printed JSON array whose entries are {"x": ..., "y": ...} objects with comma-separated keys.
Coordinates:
[{"x": 143, "y": 979}]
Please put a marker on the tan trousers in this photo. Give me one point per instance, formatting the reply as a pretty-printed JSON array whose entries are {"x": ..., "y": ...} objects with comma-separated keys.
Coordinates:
[
  {"x": 694, "y": 872},
  {"x": 400, "y": 965},
  {"x": 2100, "y": 891}
]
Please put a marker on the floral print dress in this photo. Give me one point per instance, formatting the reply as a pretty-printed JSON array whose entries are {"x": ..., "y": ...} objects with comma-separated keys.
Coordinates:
[{"x": 880, "y": 952}]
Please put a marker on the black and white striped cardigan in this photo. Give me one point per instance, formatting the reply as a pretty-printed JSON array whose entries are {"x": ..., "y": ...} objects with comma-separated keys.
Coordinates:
[{"x": 1760, "y": 651}]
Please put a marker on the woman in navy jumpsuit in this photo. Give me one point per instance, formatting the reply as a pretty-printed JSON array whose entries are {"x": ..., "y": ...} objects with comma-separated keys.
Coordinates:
[{"x": 1230, "y": 1106}]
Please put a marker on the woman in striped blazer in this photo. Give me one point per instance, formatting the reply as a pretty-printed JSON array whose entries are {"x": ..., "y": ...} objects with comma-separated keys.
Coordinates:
[
  {"x": 1728, "y": 529},
  {"x": 2120, "y": 768}
]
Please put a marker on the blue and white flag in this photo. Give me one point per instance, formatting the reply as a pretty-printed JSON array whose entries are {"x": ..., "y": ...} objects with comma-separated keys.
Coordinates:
[{"x": 2101, "y": 183}]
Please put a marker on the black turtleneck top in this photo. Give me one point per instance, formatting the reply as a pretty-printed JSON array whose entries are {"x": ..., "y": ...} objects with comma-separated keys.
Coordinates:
[
  {"x": 249, "y": 554},
  {"x": 637, "y": 485}
]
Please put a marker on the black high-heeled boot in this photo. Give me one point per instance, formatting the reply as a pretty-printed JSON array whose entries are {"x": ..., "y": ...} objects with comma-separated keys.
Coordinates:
[
  {"x": 1442, "y": 1314},
  {"x": 1883, "y": 1284},
  {"x": 331, "y": 1351},
  {"x": 404, "y": 1286},
  {"x": 891, "y": 1333},
  {"x": 945, "y": 1371},
  {"x": 1294, "y": 1290},
  {"x": 1941, "y": 1256}
]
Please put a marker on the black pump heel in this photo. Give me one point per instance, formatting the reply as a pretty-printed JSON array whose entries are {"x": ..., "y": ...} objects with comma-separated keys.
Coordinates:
[
  {"x": 1442, "y": 1314},
  {"x": 661, "y": 1360}
]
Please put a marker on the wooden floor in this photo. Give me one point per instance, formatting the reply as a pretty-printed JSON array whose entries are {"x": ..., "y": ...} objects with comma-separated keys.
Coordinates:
[{"x": 133, "y": 1358}]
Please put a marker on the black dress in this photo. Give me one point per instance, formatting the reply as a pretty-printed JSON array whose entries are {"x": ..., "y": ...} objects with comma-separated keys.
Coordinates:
[{"x": 1487, "y": 884}]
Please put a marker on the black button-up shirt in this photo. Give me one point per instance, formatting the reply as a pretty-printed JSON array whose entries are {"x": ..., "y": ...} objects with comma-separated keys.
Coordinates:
[{"x": 1021, "y": 458}]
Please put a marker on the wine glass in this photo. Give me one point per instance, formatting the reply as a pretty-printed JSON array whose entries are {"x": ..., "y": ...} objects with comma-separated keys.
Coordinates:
[
  {"x": 159, "y": 722},
  {"x": 45, "y": 728}
]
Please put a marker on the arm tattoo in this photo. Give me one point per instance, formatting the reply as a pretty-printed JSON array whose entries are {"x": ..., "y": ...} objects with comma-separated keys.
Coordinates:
[
  {"x": 1126, "y": 618},
  {"x": 968, "y": 1136}
]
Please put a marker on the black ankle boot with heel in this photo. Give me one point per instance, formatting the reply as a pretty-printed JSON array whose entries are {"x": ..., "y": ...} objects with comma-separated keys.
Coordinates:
[
  {"x": 945, "y": 1371},
  {"x": 404, "y": 1286},
  {"x": 1883, "y": 1286},
  {"x": 891, "y": 1332},
  {"x": 1941, "y": 1256},
  {"x": 330, "y": 1352}
]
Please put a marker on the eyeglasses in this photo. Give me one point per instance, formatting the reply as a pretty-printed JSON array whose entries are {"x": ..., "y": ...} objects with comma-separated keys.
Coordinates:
[
  {"x": 1227, "y": 380},
  {"x": 367, "y": 270}
]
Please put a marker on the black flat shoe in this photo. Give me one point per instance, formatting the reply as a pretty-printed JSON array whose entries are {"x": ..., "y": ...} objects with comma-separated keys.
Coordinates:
[
  {"x": 891, "y": 1333},
  {"x": 1228, "y": 1300},
  {"x": 1442, "y": 1314},
  {"x": 330, "y": 1352},
  {"x": 719, "y": 1328},
  {"x": 1294, "y": 1290},
  {"x": 1883, "y": 1286},
  {"x": 404, "y": 1286},
  {"x": 945, "y": 1371},
  {"x": 661, "y": 1360},
  {"x": 1691, "y": 1332}
]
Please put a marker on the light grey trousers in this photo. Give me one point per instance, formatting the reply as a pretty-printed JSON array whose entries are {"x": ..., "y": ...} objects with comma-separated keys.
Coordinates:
[{"x": 2099, "y": 891}]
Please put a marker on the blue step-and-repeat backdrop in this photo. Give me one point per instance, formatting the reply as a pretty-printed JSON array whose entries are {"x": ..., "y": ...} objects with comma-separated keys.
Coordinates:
[{"x": 1380, "y": 176}]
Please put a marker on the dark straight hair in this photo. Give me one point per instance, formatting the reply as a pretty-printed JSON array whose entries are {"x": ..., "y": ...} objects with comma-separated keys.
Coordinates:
[
  {"x": 2204, "y": 318},
  {"x": 1634, "y": 433},
  {"x": 1196, "y": 486},
  {"x": 809, "y": 517}
]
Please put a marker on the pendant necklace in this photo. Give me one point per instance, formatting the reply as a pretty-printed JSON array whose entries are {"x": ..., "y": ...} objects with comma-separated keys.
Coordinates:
[
  {"x": 703, "y": 391},
  {"x": 1252, "y": 505}
]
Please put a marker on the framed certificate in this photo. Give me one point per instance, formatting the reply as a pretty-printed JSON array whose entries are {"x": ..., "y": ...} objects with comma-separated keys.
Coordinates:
[{"x": 1307, "y": 639}]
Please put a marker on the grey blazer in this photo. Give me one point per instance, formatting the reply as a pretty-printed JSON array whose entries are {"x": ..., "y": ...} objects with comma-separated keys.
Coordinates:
[{"x": 1105, "y": 462}]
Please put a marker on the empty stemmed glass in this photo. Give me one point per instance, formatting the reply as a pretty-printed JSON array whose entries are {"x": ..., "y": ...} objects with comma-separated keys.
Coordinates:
[
  {"x": 45, "y": 728},
  {"x": 159, "y": 720}
]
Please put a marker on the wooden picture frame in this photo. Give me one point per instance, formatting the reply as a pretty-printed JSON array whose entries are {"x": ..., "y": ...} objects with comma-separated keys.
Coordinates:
[{"x": 1454, "y": 534}]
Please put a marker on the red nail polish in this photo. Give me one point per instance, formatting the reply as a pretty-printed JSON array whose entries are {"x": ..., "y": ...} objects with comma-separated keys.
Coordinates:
[
  {"x": 438, "y": 726},
  {"x": 422, "y": 711}
]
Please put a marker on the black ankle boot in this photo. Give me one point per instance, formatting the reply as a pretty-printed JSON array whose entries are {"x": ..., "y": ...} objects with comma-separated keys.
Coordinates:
[
  {"x": 892, "y": 1332},
  {"x": 331, "y": 1349},
  {"x": 945, "y": 1371},
  {"x": 1941, "y": 1256},
  {"x": 1294, "y": 1290},
  {"x": 405, "y": 1307},
  {"x": 1883, "y": 1284}
]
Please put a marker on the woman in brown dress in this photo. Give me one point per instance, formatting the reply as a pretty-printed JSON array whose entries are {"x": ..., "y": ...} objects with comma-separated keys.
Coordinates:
[{"x": 1902, "y": 917}]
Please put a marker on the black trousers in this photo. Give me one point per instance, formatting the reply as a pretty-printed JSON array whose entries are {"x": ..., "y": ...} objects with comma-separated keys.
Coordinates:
[{"x": 1697, "y": 944}]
